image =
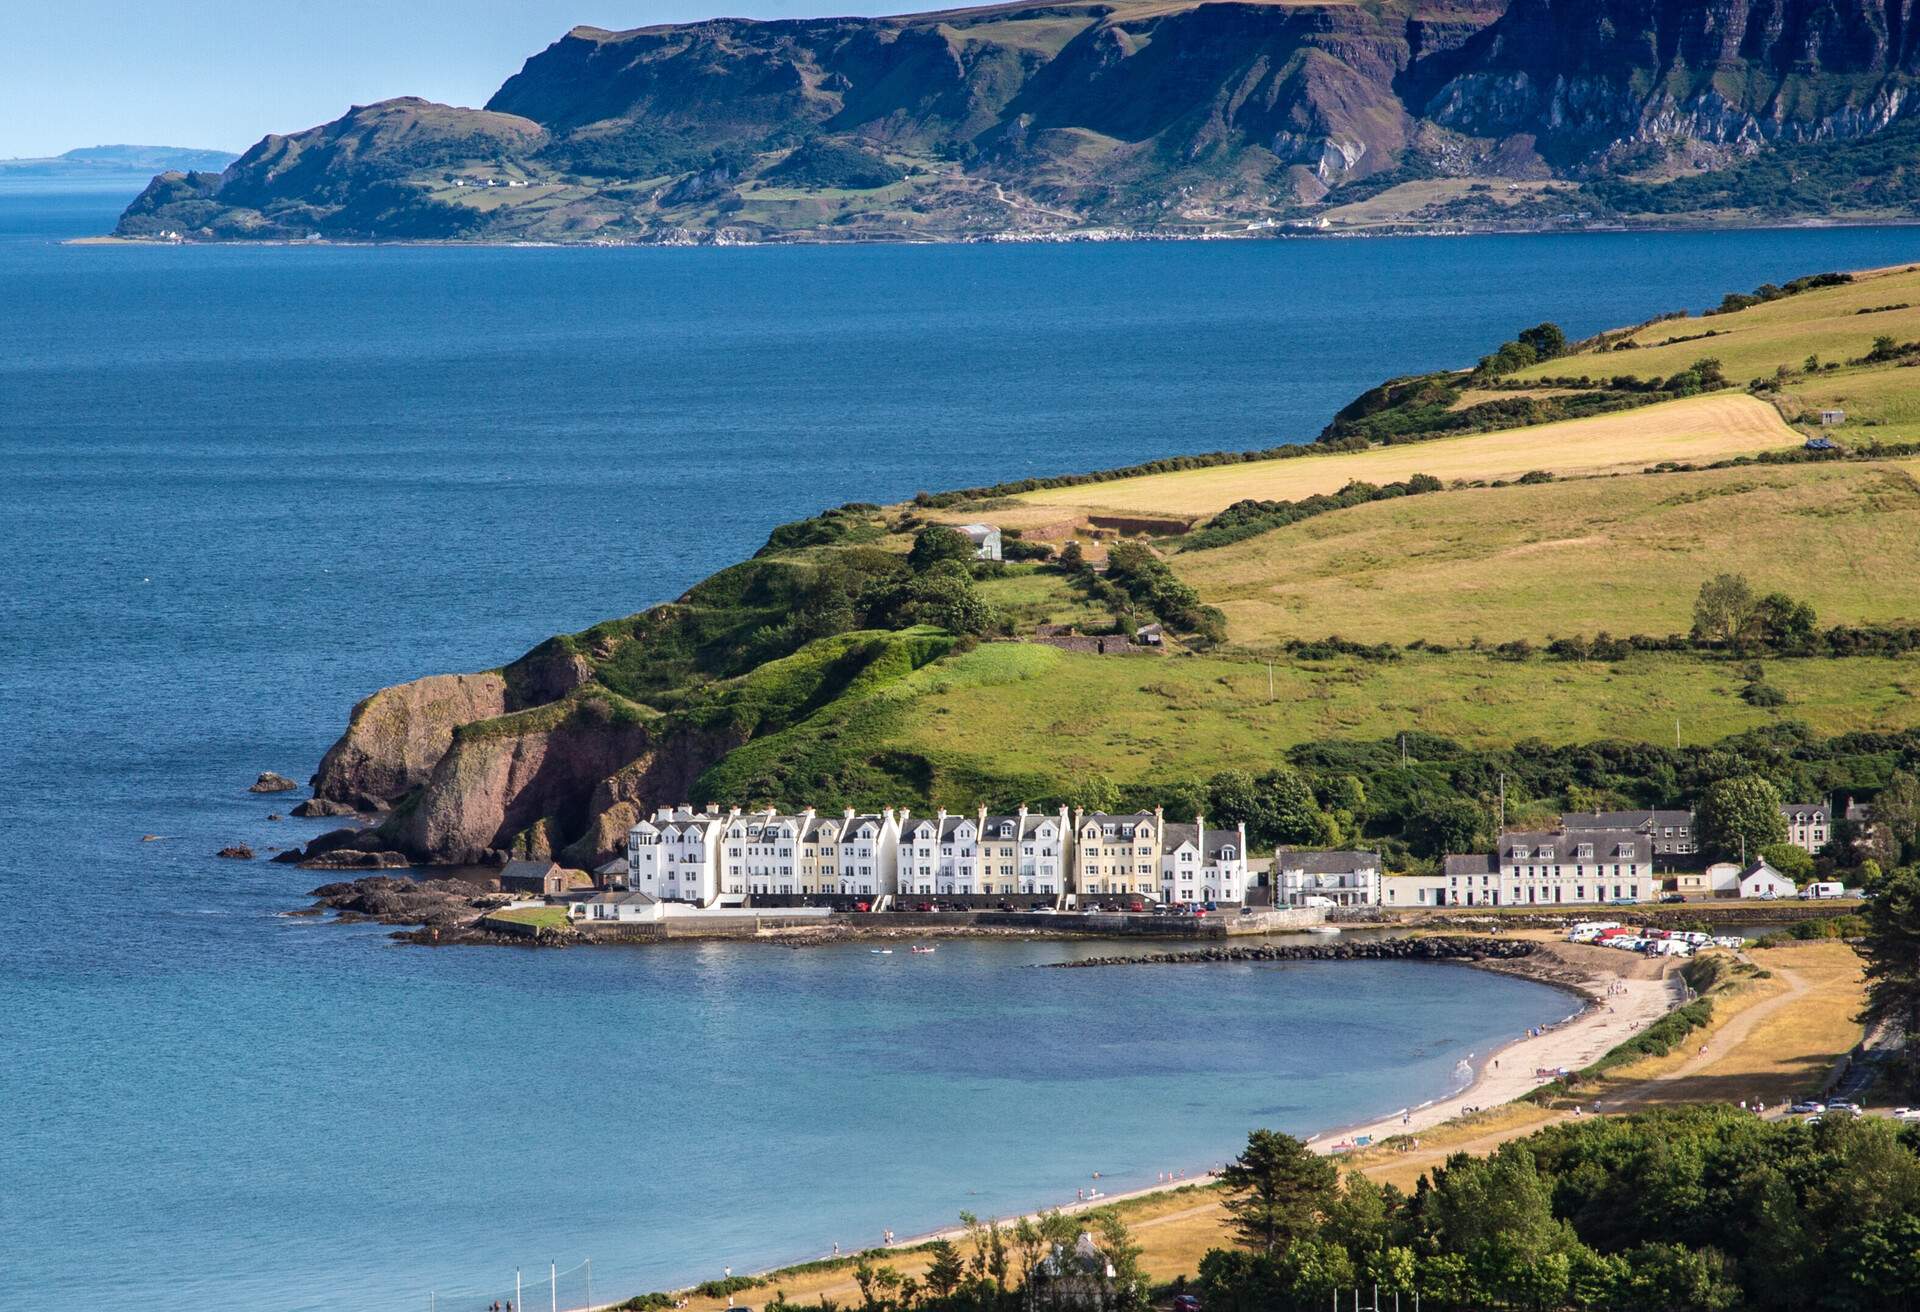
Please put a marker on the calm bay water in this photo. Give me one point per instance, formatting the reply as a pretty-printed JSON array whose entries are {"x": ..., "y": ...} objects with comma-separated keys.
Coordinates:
[{"x": 245, "y": 487}]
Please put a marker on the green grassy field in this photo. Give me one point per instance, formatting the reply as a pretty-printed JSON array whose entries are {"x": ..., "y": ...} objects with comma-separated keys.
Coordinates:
[
  {"x": 1625, "y": 555},
  {"x": 1017, "y": 708},
  {"x": 1755, "y": 341}
]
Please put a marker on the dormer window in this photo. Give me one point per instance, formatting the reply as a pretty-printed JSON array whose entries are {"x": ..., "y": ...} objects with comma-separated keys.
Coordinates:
[
  {"x": 1584, "y": 852},
  {"x": 1228, "y": 854}
]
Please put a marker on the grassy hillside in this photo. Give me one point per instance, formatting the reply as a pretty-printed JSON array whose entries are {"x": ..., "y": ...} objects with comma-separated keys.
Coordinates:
[
  {"x": 1836, "y": 324},
  {"x": 1321, "y": 610},
  {"x": 1021, "y": 710},
  {"x": 1624, "y": 555}
]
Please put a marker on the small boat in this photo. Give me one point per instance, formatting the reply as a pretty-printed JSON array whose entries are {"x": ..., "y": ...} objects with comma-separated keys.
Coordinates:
[
  {"x": 1323, "y": 929},
  {"x": 881, "y": 952},
  {"x": 919, "y": 951}
]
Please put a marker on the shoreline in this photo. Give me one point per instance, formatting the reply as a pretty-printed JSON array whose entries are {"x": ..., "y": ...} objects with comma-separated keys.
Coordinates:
[
  {"x": 1071, "y": 237},
  {"x": 1503, "y": 1074},
  {"x": 1624, "y": 1006}
]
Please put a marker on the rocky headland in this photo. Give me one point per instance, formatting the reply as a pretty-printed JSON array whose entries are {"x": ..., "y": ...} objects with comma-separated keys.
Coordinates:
[{"x": 1118, "y": 118}]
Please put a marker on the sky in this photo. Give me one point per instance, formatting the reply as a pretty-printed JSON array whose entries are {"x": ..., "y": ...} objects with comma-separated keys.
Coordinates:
[{"x": 221, "y": 74}]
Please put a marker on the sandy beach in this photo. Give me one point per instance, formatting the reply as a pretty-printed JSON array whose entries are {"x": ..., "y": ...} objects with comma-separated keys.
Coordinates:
[{"x": 1624, "y": 994}]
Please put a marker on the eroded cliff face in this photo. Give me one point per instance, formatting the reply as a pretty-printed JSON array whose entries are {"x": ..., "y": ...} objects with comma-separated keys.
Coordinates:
[
  {"x": 1587, "y": 77},
  {"x": 1026, "y": 118},
  {"x": 396, "y": 737}
]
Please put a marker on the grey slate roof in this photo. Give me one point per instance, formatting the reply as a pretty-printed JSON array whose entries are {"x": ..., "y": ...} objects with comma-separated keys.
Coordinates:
[
  {"x": 1328, "y": 862},
  {"x": 1804, "y": 812},
  {"x": 1606, "y": 845},
  {"x": 1471, "y": 863},
  {"x": 1651, "y": 820}
]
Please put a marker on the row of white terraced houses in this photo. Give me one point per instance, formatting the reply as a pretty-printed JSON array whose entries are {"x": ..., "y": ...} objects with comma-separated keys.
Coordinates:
[{"x": 713, "y": 857}]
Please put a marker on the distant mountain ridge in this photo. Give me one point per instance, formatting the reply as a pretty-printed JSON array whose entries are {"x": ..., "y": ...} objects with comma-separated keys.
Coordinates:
[
  {"x": 1030, "y": 119},
  {"x": 88, "y": 161}
]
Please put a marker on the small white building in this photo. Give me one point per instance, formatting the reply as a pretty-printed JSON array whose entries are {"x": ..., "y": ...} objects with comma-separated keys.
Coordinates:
[
  {"x": 1420, "y": 890},
  {"x": 1761, "y": 880},
  {"x": 1200, "y": 865},
  {"x": 1721, "y": 879},
  {"x": 675, "y": 856},
  {"x": 985, "y": 539},
  {"x": 1809, "y": 825},
  {"x": 1346, "y": 879},
  {"x": 624, "y": 908}
]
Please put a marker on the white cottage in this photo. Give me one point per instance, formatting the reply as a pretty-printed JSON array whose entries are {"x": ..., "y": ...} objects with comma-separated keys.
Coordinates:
[{"x": 1761, "y": 880}]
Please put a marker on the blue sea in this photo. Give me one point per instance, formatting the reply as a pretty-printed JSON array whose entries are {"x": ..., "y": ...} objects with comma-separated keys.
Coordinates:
[{"x": 244, "y": 487}]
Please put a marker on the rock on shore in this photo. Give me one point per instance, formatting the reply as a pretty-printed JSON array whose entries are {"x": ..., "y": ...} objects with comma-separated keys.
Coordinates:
[
  {"x": 269, "y": 782},
  {"x": 442, "y": 903},
  {"x": 1445, "y": 948}
]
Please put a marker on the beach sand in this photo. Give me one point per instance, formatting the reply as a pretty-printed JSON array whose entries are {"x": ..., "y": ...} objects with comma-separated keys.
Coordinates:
[{"x": 1625, "y": 994}]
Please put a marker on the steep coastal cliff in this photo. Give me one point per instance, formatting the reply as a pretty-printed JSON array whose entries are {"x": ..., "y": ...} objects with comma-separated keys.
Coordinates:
[{"x": 1043, "y": 119}]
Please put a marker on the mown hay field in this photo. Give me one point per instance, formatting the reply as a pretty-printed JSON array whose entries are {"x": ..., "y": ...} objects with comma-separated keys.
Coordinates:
[{"x": 1697, "y": 429}]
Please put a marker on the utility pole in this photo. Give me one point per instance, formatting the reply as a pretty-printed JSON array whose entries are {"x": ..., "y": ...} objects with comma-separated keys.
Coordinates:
[
  {"x": 589, "y": 1285},
  {"x": 1269, "y": 678},
  {"x": 518, "y": 1301},
  {"x": 553, "y": 1286}
]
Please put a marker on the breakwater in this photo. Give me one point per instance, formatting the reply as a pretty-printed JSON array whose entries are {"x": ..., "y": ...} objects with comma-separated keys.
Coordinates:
[{"x": 1441, "y": 948}]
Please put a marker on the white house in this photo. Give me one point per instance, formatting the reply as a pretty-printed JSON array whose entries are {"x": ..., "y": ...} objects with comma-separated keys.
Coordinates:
[
  {"x": 1346, "y": 879},
  {"x": 1761, "y": 880},
  {"x": 617, "y": 908},
  {"x": 675, "y": 856},
  {"x": 940, "y": 855},
  {"x": 985, "y": 539},
  {"x": 1809, "y": 825},
  {"x": 761, "y": 852},
  {"x": 1423, "y": 890},
  {"x": 1721, "y": 879},
  {"x": 1587, "y": 865},
  {"x": 1024, "y": 853},
  {"x": 1199, "y": 865}
]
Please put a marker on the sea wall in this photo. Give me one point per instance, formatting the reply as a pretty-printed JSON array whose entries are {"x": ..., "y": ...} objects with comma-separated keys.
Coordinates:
[{"x": 1386, "y": 949}]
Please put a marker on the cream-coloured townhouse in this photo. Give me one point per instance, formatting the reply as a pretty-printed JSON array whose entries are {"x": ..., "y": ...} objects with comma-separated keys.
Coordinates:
[
  {"x": 1116, "y": 855},
  {"x": 1809, "y": 825}
]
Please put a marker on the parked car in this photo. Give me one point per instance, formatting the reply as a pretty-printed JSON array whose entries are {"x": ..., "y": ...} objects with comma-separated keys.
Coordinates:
[
  {"x": 863, "y": 906},
  {"x": 1185, "y": 1303},
  {"x": 1673, "y": 897},
  {"x": 1044, "y": 910},
  {"x": 1212, "y": 906},
  {"x": 1807, "y": 1106},
  {"x": 1136, "y": 905},
  {"x": 924, "y": 906},
  {"x": 1906, "y": 1113},
  {"x": 1842, "y": 1105}
]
